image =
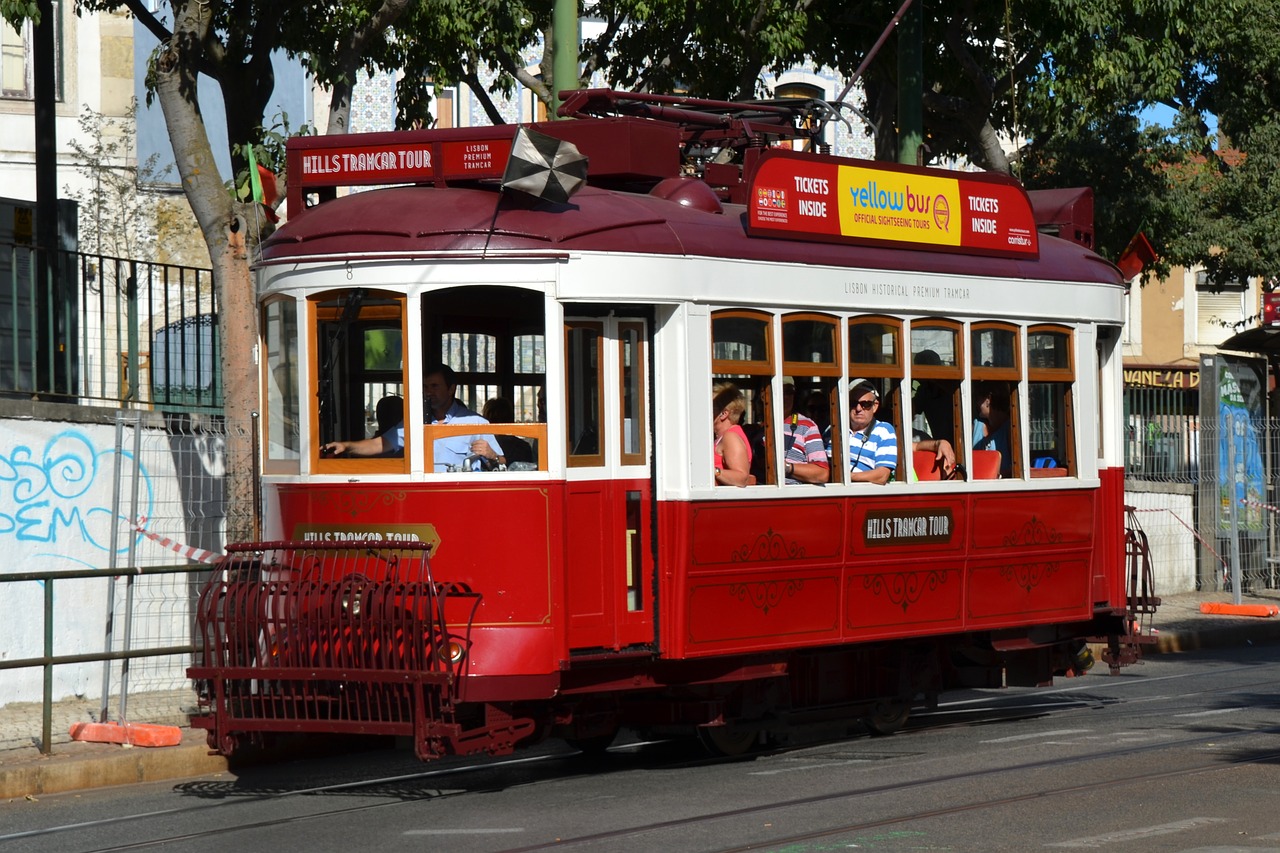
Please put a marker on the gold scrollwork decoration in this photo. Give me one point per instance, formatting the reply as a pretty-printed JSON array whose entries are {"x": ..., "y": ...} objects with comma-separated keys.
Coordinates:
[
  {"x": 904, "y": 588},
  {"x": 1034, "y": 532},
  {"x": 765, "y": 595},
  {"x": 768, "y": 546},
  {"x": 1028, "y": 576},
  {"x": 357, "y": 503}
]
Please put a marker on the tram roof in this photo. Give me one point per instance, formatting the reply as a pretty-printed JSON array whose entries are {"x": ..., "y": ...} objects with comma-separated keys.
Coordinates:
[
  {"x": 676, "y": 176},
  {"x": 427, "y": 220}
]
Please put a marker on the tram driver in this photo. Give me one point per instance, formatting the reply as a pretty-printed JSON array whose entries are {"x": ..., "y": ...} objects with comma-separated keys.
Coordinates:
[
  {"x": 873, "y": 444},
  {"x": 440, "y": 406}
]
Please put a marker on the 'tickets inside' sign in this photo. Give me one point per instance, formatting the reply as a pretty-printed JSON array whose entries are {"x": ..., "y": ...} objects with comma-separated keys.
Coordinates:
[{"x": 797, "y": 195}]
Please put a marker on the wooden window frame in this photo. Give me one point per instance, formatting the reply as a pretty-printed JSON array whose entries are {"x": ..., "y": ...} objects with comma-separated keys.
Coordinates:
[
  {"x": 314, "y": 315},
  {"x": 1066, "y": 376},
  {"x": 642, "y": 401},
  {"x": 1003, "y": 373},
  {"x": 585, "y": 460},
  {"x": 760, "y": 370},
  {"x": 287, "y": 305}
]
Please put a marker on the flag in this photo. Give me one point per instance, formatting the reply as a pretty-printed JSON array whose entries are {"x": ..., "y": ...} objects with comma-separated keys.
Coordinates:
[
  {"x": 255, "y": 182},
  {"x": 544, "y": 167},
  {"x": 1135, "y": 256}
]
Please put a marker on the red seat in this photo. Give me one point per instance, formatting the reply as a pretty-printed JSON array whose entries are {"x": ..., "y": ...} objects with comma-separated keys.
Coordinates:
[
  {"x": 925, "y": 463},
  {"x": 986, "y": 464}
]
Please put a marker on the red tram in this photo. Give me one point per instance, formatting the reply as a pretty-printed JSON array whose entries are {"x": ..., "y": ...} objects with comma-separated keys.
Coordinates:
[{"x": 610, "y": 582}]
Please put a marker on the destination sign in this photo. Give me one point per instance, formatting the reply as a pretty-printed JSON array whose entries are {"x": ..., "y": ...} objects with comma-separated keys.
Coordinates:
[
  {"x": 794, "y": 194},
  {"x": 931, "y": 525},
  {"x": 387, "y": 534},
  {"x": 404, "y": 162}
]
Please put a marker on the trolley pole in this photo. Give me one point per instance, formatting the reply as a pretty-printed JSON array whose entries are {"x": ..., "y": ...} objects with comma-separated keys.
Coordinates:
[
  {"x": 564, "y": 49},
  {"x": 911, "y": 85}
]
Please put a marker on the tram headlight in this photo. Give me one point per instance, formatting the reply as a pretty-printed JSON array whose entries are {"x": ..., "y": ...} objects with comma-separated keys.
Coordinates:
[
  {"x": 451, "y": 651},
  {"x": 352, "y": 599}
]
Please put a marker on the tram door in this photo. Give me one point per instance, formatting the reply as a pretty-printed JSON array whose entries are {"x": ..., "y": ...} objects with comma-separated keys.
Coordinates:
[{"x": 608, "y": 536}]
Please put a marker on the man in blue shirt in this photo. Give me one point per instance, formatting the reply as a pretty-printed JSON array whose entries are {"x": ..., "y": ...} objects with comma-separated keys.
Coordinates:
[
  {"x": 439, "y": 384},
  {"x": 873, "y": 444}
]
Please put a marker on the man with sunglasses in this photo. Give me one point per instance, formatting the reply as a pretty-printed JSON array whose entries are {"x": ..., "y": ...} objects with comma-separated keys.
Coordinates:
[{"x": 873, "y": 444}]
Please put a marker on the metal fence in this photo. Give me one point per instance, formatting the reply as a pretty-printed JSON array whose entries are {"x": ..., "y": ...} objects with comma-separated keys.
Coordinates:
[
  {"x": 122, "y": 627},
  {"x": 1206, "y": 490},
  {"x": 104, "y": 331}
]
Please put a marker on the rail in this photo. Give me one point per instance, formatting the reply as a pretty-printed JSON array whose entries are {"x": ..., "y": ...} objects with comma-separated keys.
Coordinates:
[{"x": 49, "y": 660}]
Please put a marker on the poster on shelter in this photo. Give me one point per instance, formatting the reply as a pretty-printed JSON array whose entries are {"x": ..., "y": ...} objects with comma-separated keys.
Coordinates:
[{"x": 1240, "y": 402}]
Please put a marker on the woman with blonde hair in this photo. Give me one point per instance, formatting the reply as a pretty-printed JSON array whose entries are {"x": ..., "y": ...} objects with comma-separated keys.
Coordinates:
[{"x": 731, "y": 448}]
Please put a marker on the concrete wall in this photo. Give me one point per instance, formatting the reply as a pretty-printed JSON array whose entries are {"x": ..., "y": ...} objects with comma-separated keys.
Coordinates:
[{"x": 1168, "y": 520}]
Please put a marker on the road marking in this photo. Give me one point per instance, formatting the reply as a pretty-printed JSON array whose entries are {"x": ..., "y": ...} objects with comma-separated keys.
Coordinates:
[
  {"x": 1124, "y": 836},
  {"x": 821, "y": 766},
  {"x": 494, "y": 830},
  {"x": 1040, "y": 736},
  {"x": 1210, "y": 713}
]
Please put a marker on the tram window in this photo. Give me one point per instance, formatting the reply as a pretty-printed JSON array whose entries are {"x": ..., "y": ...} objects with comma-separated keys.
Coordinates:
[
  {"x": 360, "y": 360},
  {"x": 1051, "y": 376},
  {"x": 937, "y": 373},
  {"x": 741, "y": 338},
  {"x": 994, "y": 346},
  {"x": 809, "y": 341},
  {"x": 996, "y": 371},
  {"x": 284, "y": 416},
  {"x": 583, "y": 380},
  {"x": 529, "y": 364},
  {"x": 631, "y": 357},
  {"x": 875, "y": 347},
  {"x": 742, "y": 353},
  {"x": 811, "y": 356},
  {"x": 874, "y": 342}
]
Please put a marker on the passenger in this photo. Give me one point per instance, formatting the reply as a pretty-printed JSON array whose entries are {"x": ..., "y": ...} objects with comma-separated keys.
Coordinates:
[
  {"x": 731, "y": 447},
  {"x": 991, "y": 428},
  {"x": 818, "y": 410},
  {"x": 943, "y": 452},
  {"x": 388, "y": 413},
  {"x": 514, "y": 448},
  {"x": 933, "y": 399},
  {"x": 805, "y": 453},
  {"x": 873, "y": 444},
  {"x": 440, "y": 406}
]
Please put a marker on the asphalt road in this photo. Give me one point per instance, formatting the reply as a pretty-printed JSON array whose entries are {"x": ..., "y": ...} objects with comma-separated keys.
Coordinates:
[{"x": 1178, "y": 754}]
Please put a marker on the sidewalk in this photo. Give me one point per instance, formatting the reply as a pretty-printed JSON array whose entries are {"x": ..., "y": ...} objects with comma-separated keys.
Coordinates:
[{"x": 1179, "y": 626}]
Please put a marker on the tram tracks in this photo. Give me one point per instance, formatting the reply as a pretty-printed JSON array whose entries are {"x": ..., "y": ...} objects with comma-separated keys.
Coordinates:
[
  {"x": 761, "y": 810},
  {"x": 463, "y": 779}
]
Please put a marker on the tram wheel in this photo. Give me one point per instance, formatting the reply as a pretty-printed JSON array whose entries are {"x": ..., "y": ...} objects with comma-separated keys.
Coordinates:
[
  {"x": 887, "y": 717},
  {"x": 727, "y": 741}
]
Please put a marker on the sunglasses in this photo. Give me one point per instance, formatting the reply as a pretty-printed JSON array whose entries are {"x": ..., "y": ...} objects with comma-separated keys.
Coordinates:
[{"x": 865, "y": 405}]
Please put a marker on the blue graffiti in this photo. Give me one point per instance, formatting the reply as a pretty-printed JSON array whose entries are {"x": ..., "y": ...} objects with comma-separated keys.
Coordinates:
[{"x": 64, "y": 492}]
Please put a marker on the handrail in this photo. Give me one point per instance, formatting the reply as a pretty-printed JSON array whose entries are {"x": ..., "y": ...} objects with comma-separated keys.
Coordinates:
[{"x": 49, "y": 660}]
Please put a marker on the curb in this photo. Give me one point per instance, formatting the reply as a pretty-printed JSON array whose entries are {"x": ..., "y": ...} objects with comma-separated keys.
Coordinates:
[
  {"x": 107, "y": 765},
  {"x": 1232, "y": 634}
]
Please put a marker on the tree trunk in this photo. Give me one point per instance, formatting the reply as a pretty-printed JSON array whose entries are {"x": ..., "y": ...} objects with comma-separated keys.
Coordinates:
[{"x": 224, "y": 234}]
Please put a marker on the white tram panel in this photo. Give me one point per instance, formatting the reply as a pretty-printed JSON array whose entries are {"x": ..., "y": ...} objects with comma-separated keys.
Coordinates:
[{"x": 610, "y": 277}]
